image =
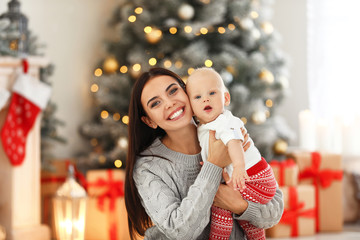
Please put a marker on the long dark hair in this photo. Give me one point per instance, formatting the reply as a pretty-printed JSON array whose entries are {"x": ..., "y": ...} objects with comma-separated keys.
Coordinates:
[{"x": 140, "y": 137}]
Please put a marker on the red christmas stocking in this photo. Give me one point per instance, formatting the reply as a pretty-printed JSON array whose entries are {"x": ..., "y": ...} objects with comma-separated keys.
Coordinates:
[{"x": 29, "y": 97}]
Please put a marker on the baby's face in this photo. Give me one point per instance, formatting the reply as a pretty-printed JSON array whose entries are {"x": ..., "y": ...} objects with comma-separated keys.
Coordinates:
[{"x": 207, "y": 95}]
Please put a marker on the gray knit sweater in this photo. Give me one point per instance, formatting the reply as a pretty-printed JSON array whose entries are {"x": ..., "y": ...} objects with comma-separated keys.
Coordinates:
[{"x": 177, "y": 194}]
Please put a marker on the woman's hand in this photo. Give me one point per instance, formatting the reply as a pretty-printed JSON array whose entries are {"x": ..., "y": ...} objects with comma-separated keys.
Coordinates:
[
  {"x": 218, "y": 153},
  {"x": 229, "y": 199}
]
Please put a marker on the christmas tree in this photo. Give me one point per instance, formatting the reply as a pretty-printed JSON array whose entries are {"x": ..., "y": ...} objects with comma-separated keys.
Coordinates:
[{"x": 235, "y": 37}]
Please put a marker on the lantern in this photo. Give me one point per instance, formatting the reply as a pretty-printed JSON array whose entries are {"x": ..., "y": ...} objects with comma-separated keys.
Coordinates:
[
  {"x": 18, "y": 29},
  {"x": 69, "y": 208}
]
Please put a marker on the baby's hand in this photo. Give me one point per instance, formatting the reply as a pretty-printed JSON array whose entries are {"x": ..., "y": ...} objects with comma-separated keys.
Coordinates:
[{"x": 238, "y": 179}]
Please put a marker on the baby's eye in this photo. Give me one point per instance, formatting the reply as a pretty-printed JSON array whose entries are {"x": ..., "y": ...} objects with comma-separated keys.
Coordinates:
[
  {"x": 197, "y": 97},
  {"x": 173, "y": 90},
  {"x": 212, "y": 93}
]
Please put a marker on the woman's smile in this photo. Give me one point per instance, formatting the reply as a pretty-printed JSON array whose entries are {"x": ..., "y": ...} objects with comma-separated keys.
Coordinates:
[{"x": 178, "y": 113}]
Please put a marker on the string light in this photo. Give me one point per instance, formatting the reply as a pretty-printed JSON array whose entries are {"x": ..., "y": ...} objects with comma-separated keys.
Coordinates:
[
  {"x": 153, "y": 35},
  {"x": 173, "y": 30},
  {"x": 204, "y": 30},
  {"x": 104, "y": 114},
  {"x": 269, "y": 103},
  {"x": 152, "y": 61},
  {"x": 254, "y": 14},
  {"x": 244, "y": 120},
  {"x": 178, "y": 64},
  {"x": 188, "y": 29},
  {"x": 190, "y": 71},
  {"x": 208, "y": 63},
  {"x": 221, "y": 30},
  {"x": 136, "y": 67},
  {"x": 125, "y": 119},
  {"x": 147, "y": 29},
  {"x": 267, "y": 27},
  {"x": 118, "y": 163},
  {"x": 124, "y": 69},
  {"x": 98, "y": 72},
  {"x": 231, "y": 26},
  {"x": 167, "y": 64},
  {"x": 94, "y": 88},
  {"x": 138, "y": 10},
  {"x": 110, "y": 64},
  {"x": 132, "y": 18},
  {"x": 116, "y": 117},
  {"x": 122, "y": 142}
]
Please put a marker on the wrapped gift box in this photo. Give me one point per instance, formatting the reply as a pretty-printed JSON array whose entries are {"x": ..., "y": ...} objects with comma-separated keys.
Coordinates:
[
  {"x": 106, "y": 216},
  {"x": 102, "y": 181},
  {"x": 106, "y": 222},
  {"x": 324, "y": 171},
  {"x": 299, "y": 213},
  {"x": 286, "y": 172}
]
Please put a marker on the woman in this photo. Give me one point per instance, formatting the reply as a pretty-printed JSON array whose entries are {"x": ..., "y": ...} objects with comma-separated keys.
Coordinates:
[{"x": 168, "y": 195}]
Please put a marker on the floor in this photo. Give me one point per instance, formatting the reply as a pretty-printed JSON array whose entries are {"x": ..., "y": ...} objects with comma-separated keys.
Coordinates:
[{"x": 351, "y": 232}]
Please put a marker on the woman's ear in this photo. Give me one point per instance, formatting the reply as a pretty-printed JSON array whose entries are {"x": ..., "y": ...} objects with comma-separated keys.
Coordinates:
[
  {"x": 227, "y": 98},
  {"x": 149, "y": 122}
]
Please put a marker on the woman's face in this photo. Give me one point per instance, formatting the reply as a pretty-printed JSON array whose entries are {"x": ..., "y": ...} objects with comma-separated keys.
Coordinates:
[{"x": 166, "y": 104}]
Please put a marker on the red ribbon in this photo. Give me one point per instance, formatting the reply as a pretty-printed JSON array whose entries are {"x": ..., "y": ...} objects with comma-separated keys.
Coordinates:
[
  {"x": 282, "y": 165},
  {"x": 53, "y": 179},
  {"x": 323, "y": 177},
  {"x": 296, "y": 210},
  {"x": 25, "y": 65},
  {"x": 114, "y": 189},
  {"x": 59, "y": 179}
]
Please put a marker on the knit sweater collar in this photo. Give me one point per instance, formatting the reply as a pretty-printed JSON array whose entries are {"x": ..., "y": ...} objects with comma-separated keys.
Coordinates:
[{"x": 189, "y": 159}]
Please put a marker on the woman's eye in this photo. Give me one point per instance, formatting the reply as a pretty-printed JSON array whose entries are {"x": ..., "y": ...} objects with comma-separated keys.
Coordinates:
[
  {"x": 174, "y": 90},
  {"x": 197, "y": 97},
  {"x": 154, "y": 104}
]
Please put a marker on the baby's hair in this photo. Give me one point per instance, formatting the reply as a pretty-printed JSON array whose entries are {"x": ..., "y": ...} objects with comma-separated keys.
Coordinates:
[{"x": 200, "y": 69}]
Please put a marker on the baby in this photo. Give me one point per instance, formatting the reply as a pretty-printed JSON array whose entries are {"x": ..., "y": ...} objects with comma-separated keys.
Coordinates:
[{"x": 249, "y": 172}]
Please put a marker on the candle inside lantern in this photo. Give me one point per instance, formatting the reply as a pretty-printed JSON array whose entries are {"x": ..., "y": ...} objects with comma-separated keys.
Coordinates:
[{"x": 69, "y": 205}]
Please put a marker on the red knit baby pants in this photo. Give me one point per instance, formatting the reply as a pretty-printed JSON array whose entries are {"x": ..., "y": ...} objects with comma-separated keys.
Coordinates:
[{"x": 260, "y": 188}]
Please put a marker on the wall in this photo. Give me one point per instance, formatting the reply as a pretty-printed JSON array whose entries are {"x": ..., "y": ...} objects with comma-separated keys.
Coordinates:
[
  {"x": 289, "y": 20},
  {"x": 73, "y": 32}
]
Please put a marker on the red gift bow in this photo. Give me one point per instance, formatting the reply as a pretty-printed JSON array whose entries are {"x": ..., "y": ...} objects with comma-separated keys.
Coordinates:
[
  {"x": 282, "y": 165},
  {"x": 324, "y": 177},
  {"x": 291, "y": 215},
  {"x": 115, "y": 188}
]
